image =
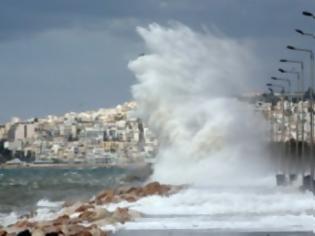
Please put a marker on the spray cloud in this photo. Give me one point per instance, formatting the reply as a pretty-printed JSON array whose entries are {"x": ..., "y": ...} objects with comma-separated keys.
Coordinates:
[{"x": 185, "y": 87}]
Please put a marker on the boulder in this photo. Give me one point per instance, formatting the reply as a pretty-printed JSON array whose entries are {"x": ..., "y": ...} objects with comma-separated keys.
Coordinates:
[
  {"x": 156, "y": 188},
  {"x": 75, "y": 230},
  {"x": 84, "y": 207},
  {"x": 38, "y": 232},
  {"x": 97, "y": 214},
  {"x": 121, "y": 215},
  {"x": 24, "y": 224},
  {"x": 86, "y": 215},
  {"x": 3, "y": 232},
  {"x": 24, "y": 233},
  {"x": 109, "y": 194},
  {"x": 51, "y": 229},
  {"x": 96, "y": 231},
  {"x": 64, "y": 219},
  {"x": 129, "y": 197}
]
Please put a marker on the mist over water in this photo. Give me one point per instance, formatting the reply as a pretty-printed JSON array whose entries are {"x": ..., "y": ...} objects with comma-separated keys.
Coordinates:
[{"x": 186, "y": 87}]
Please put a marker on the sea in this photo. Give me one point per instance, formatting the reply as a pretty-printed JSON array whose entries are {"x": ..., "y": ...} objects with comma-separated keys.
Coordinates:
[
  {"x": 25, "y": 191},
  {"x": 263, "y": 209}
]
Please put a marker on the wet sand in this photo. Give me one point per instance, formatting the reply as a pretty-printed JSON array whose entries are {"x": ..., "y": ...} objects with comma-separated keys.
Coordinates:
[{"x": 179, "y": 232}]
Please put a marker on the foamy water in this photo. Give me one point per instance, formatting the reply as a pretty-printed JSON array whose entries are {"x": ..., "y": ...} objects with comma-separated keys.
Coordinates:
[
  {"x": 245, "y": 209},
  {"x": 45, "y": 210}
]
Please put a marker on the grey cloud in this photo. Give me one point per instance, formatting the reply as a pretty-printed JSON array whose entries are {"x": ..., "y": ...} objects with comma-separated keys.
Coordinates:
[{"x": 61, "y": 55}]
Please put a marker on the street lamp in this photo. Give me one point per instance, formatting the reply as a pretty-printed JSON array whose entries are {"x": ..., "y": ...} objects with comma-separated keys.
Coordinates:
[
  {"x": 293, "y": 176},
  {"x": 280, "y": 177},
  {"x": 301, "y": 74},
  {"x": 300, "y": 116},
  {"x": 304, "y": 33},
  {"x": 306, "y": 13},
  {"x": 289, "y": 72},
  {"x": 311, "y": 109},
  {"x": 283, "y": 79}
]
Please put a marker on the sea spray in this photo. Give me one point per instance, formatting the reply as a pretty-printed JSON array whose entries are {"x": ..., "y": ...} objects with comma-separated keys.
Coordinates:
[{"x": 186, "y": 87}]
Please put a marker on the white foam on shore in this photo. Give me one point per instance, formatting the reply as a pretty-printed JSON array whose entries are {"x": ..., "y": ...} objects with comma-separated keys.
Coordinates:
[
  {"x": 49, "y": 204},
  {"x": 47, "y": 210},
  {"x": 7, "y": 219},
  {"x": 285, "y": 209}
]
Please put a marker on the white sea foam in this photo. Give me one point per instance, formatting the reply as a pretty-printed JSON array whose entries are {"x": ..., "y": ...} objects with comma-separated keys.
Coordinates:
[
  {"x": 49, "y": 204},
  {"x": 8, "y": 219},
  {"x": 47, "y": 210},
  {"x": 251, "y": 208}
]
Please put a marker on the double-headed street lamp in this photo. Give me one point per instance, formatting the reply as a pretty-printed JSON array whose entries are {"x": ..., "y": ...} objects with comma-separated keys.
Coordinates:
[
  {"x": 312, "y": 159},
  {"x": 300, "y": 76},
  {"x": 290, "y": 115},
  {"x": 290, "y": 72},
  {"x": 301, "y": 86},
  {"x": 282, "y": 79},
  {"x": 280, "y": 177}
]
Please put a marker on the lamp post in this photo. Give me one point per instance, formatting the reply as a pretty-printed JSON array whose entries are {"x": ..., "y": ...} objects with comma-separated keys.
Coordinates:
[
  {"x": 312, "y": 160},
  {"x": 301, "y": 90},
  {"x": 293, "y": 176},
  {"x": 301, "y": 85},
  {"x": 271, "y": 118},
  {"x": 281, "y": 177}
]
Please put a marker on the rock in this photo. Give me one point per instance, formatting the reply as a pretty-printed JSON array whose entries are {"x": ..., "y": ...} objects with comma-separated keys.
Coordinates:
[
  {"x": 122, "y": 190},
  {"x": 152, "y": 188},
  {"x": 3, "y": 232},
  {"x": 108, "y": 194},
  {"x": 84, "y": 233},
  {"x": 86, "y": 215},
  {"x": 121, "y": 215},
  {"x": 84, "y": 207},
  {"x": 96, "y": 231},
  {"x": 156, "y": 188},
  {"x": 104, "y": 221},
  {"x": 24, "y": 233},
  {"x": 74, "y": 230},
  {"x": 134, "y": 191},
  {"x": 101, "y": 213},
  {"x": 129, "y": 197},
  {"x": 61, "y": 220},
  {"x": 24, "y": 224},
  {"x": 71, "y": 209},
  {"x": 53, "y": 234},
  {"x": 96, "y": 214},
  {"x": 38, "y": 232}
]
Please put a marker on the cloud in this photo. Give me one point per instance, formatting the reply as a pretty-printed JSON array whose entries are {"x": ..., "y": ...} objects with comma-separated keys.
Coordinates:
[{"x": 79, "y": 49}]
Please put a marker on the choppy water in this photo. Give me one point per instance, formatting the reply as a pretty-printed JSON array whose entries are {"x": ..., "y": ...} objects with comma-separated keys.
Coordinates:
[{"x": 24, "y": 189}]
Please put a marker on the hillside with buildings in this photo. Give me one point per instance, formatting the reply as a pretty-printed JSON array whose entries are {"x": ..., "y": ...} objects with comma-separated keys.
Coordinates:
[{"x": 106, "y": 136}]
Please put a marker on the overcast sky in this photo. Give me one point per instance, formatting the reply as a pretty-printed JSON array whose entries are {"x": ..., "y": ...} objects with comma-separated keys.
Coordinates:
[{"x": 71, "y": 55}]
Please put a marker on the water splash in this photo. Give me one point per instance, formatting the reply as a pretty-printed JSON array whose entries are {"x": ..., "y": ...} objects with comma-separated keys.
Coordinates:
[{"x": 186, "y": 86}]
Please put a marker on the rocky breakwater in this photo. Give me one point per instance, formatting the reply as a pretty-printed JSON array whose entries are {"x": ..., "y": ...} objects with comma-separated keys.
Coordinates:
[{"x": 89, "y": 218}]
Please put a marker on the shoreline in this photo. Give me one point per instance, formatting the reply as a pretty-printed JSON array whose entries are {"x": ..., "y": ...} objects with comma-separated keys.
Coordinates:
[{"x": 74, "y": 165}]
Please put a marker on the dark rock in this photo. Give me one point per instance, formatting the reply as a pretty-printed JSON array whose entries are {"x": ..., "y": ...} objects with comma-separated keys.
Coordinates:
[
  {"x": 3, "y": 232},
  {"x": 24, "y": 233}
]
